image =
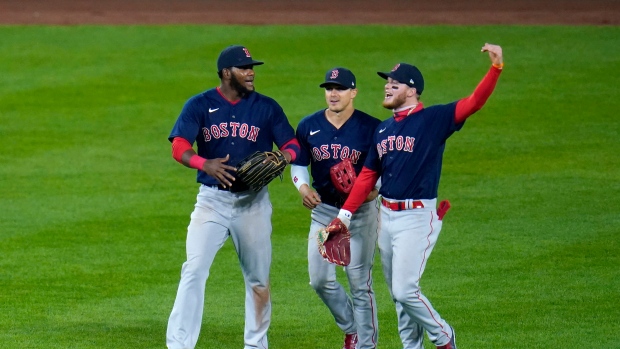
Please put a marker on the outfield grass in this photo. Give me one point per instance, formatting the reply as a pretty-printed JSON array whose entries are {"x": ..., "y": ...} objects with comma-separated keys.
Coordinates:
[{"x": 93, "y": 209}]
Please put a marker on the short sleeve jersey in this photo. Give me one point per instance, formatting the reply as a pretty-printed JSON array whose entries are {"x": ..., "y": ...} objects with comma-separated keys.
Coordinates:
[
  {"x": 323, "y": 146},
  {"x": 408, "y": 153},
  {"x": 220, "y": 127}
]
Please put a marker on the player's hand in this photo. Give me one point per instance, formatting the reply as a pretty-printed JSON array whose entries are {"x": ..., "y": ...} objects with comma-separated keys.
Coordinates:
[
  {"x": 287, "y": 156},
  {"x": 218, "y": 170},
  {"x": 495, "y": 53},
  {"x": 372, "y": 195},
  {"x": 310, "y": 198}
]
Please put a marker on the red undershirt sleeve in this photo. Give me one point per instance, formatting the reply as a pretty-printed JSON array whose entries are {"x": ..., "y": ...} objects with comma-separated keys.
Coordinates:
[
  {"x": 364, "y": 183},
  {"x": 469, "y": 105},
  {"x": 292, "y": 147},
  {"x": 179, "y": 146}
]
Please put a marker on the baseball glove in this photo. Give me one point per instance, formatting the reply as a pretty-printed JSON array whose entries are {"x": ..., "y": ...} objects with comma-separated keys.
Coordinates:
[
  {"x": 335, "y": 243},
  {"x": 256, "y": 173},
  {"x": 343, "y": 176}
]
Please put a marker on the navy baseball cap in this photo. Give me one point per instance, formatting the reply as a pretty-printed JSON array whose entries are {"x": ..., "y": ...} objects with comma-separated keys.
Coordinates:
[
  {"x": 406, "y": 74},
  {"x": 339, "y": 76},
  {"x": 235, "y": 56}
]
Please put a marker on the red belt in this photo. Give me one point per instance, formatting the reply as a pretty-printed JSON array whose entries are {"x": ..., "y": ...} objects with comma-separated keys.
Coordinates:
[{"x": 402, "y": 205}]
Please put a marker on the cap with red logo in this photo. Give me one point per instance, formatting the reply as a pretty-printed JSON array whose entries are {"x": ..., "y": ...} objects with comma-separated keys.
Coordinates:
[
  {"x": 235, "y": 56},
  {"x": 339, "y": 76},
  {"x": 406, "y": 74}
]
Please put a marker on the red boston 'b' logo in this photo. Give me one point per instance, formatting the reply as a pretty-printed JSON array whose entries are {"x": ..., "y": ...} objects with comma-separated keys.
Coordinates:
[
  {"x": 334, "y": 74},
  {"x": 247, "y": 53},
  {"x": 396, "y": 67}
]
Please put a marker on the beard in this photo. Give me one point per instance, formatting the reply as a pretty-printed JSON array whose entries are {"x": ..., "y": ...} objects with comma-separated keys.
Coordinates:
[
  {"x": 239, "y": 87},
  {"x": 395, "y": 102}
]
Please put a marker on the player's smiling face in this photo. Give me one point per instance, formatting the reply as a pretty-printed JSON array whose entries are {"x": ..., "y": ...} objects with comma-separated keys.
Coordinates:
[
  {"x": 242, "y": 79},
  {"x": 395, "y": 94},
  {"x": 338, "y": 97}
]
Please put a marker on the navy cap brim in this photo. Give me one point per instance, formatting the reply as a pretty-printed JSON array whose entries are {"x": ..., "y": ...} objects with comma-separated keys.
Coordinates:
[
  {"x": 333, "y": 83},
  {"x": 253, "y": 62},
  {"x": 384, "y": 75}
]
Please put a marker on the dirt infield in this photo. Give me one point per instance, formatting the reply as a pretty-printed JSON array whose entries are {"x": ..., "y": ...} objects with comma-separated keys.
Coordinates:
[{"x": 257, "y": 12}]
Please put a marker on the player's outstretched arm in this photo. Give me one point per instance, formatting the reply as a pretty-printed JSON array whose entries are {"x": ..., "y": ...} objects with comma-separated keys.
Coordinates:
[{"x": 467, "y": 106}]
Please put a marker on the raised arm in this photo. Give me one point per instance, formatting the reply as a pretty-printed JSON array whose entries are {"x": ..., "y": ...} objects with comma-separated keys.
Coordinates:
[{"x": 471, "y": 104}]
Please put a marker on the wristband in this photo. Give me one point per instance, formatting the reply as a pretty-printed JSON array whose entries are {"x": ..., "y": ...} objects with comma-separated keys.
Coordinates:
[
  {"x": 345, "y": 217},
  {"x": 197, "y": 162},
  {"x": 498, "y": 66}
]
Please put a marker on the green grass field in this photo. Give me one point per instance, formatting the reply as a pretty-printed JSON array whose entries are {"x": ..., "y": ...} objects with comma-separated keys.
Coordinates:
[{"x": 93, "y": 209}]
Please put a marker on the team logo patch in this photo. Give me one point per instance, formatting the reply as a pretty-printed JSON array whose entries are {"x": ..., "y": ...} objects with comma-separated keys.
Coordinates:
[
  {"x": 247, "y": 53},
  {"x": 334, "y": 74},
  {"x": 396, "y": 67}
]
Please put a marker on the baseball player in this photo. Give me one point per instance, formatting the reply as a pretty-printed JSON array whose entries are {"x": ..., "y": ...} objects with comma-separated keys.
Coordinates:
[
  {"x": 407, "y": 154},
  {"x": 227, "y": 123},
  {"x": 327, "y": 138}
]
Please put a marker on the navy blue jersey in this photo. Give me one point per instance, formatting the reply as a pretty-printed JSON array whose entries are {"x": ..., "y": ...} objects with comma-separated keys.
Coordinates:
[
  {"x": 408, "y": 153},
  {"x": 220, "y": 127},
  {"x": 323, "y": 146}
]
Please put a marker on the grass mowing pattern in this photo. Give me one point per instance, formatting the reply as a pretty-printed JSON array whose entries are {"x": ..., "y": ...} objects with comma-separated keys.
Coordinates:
[{"x": 94, "y": 209}]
